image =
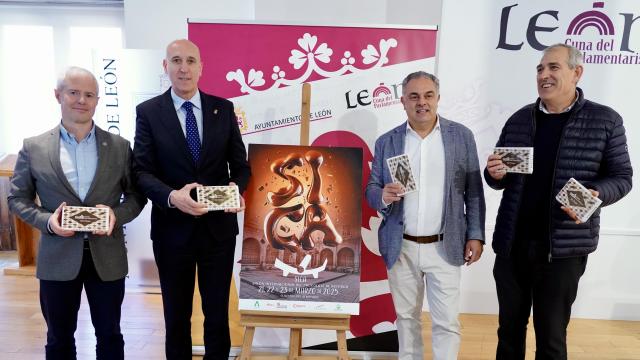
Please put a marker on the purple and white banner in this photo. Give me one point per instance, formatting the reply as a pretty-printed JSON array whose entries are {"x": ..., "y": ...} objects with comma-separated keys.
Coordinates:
[{"x": 355, "y": 75}]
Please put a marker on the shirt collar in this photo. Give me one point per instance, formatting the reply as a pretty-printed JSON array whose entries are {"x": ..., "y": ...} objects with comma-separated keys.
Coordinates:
[
  {"x": 543, "y": 107},
  {"x": 411, "y": 131},
  {"x": 178, "y": 101},
  {"x": 69, "y": 138}
]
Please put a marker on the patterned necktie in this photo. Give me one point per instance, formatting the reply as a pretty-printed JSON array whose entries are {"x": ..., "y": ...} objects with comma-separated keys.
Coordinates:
[{"x": 193, "y": 138}]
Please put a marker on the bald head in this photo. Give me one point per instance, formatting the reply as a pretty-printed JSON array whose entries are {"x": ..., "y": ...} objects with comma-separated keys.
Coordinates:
[
  {"x": 77, "y": 94},
  {"x": 182, "y": 44},
  {"x": 75, "y": 72},
  {"x": 182, "y": 64}
]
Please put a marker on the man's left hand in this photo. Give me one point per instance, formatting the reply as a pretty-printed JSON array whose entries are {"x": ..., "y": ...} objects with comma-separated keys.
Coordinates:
[
  {"x": 242, "y": 205},
  {"x": 112, "y": 221},
  {"x": 472, "y": 251},
  {"x": 571, "y": 213}
]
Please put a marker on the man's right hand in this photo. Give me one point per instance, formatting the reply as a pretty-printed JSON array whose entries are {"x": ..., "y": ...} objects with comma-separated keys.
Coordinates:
[
  {"x": 496, "y": 168},
  {"x": 391, "y": 193},
  {"x": 54, "y": 222},
  {"x": 183, "y": 201}
]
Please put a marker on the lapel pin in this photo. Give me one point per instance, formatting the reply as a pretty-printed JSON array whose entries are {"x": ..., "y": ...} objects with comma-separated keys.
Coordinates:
[
  {"x": 215, "y": 111},
  {"x": 104, "y": 143}
]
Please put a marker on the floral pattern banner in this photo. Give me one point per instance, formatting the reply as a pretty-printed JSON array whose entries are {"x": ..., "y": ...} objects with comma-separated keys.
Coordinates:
[
  {"x": 356, "y": 77},
  {"x": 275, "y": 56}
]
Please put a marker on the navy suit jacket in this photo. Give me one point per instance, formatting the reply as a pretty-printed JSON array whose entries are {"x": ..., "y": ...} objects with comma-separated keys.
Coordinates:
[{"x": 162, "y": 163}]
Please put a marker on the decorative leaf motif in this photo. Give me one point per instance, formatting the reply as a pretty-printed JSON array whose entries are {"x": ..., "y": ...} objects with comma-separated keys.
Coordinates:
[
  {"x": 308, "y": 42},
  {"x": 375, "y": 57},
  {"x": 297, "y": 58},
  {"x": 323, "y": 53},
  {"x": 370, "y": 55},
  {"x": 235, "y": 75},
  {"x": 385, "y": 45},
  {"x": 255, "y": 78}
]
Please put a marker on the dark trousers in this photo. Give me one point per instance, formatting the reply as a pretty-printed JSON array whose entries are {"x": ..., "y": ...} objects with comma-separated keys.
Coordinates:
[
  {"x": 213, "y": 255},
  {"x": 551, "y": 288},
  {"x": 60, "y": 302}
]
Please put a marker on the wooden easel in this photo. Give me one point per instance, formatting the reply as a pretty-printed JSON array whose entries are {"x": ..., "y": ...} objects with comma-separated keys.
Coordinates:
[{"x": 295, "y": 321}]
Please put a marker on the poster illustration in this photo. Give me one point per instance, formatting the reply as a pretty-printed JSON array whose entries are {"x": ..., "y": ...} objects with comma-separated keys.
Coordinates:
[{"x": 301, "y": 245}]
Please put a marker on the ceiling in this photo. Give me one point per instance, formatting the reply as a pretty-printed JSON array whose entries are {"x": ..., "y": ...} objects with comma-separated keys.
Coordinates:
[{"x": 109, "y": 3}]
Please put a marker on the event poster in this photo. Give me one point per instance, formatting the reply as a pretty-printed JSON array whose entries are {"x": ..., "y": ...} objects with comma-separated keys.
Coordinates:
[{"x": 301, "y": 242}]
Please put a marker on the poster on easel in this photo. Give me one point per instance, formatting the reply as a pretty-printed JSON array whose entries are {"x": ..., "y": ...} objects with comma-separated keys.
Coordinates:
[
  {"x": 301, "y": 238},
  {"x": 356, "y": 74}
]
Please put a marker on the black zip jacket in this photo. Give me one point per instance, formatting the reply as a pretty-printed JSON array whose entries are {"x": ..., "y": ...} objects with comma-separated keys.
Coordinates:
[{"x": 592, "y": 149}]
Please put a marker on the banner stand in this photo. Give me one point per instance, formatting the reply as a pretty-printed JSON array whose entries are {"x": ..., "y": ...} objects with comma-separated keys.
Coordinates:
[
  {"x": 305, "y": 114},
  {"x": 295, "y": 321}
]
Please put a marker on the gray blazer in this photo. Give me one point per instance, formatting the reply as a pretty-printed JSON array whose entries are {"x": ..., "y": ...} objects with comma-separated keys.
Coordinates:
[
  {"x": 38, "y": 172},
  {"x": 464, "y": 207}
]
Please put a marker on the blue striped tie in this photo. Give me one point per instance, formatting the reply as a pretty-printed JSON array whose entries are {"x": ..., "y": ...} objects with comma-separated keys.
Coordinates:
[{"x": 193, "y": 138}]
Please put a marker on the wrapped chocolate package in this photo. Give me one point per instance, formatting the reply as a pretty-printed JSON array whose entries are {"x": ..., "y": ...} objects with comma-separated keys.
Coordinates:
[
  {"x": 219, "y": 197},
  {"x": 80, "y": 218},
  {"x": 577, "y": 197},
  {"x": 516, "y": 159},
  {"x": 400, "y": 169}
]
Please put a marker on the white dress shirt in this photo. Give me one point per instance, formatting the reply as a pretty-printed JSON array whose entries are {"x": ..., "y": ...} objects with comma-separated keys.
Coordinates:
[{"x": 423, "y": 209}]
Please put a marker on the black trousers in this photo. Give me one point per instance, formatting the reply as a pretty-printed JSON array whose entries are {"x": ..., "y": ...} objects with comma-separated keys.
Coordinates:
[
  {"x": 213, "y": 255},
  {"x": 551, "y": 288},
  {"x": 60, "y": 302}
]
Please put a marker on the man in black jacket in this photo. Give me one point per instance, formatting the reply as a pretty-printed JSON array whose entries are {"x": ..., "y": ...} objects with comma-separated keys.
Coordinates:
[{"x": 541, "y": 247}]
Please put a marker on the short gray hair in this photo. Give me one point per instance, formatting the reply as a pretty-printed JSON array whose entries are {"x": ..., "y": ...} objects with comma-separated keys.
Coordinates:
[
  {"x": 575, "y": 56},
  {"x": 71, "y": 70},
  {"x": 418, "y": 75}
]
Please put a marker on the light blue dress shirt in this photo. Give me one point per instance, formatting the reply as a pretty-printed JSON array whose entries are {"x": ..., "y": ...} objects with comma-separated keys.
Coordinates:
[
  {"x": 79, "y": 160},
  {"x": 182, "y": 113},
  {"x": 182, "y": 117}
]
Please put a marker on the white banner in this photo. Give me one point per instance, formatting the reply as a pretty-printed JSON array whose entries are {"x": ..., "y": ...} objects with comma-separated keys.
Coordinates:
[
  {"x": 487, "y": 66},
  {"x": 127, "y": 78}
]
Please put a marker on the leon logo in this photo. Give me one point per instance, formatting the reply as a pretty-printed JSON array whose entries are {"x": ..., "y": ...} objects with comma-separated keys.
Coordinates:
[
  {"x": 381, "y": 91},
  {"x": 381, "y": 96},
  {"x": 593, "y": 18},
  {"x": 591, "y": 31}
]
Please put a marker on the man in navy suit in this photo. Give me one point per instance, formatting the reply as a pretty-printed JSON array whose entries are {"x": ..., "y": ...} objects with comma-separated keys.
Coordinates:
[{"x": 186, "y": 138}]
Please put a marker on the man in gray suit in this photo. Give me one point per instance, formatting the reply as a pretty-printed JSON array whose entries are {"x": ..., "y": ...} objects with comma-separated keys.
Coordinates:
[
  {"x": 426, "y": 235},
  {"x": 78, "y": 164}
]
